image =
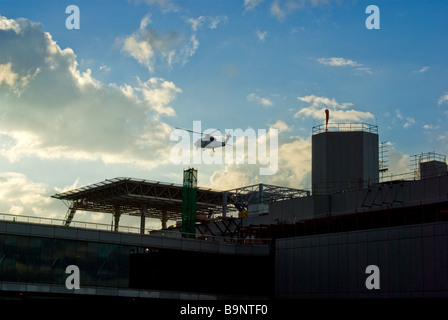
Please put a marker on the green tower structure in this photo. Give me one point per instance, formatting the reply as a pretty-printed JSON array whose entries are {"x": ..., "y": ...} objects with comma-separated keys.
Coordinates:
[{"x": 189, "y": 191}]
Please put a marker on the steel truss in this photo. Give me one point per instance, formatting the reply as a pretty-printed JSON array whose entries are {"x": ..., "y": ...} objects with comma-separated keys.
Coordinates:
[
  {"x": 133, "y": 196},
  {"x": 258, "y": 194}
]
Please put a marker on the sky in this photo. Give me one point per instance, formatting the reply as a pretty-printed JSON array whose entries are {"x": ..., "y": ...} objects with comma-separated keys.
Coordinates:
[{"x": 83, "y": 103}]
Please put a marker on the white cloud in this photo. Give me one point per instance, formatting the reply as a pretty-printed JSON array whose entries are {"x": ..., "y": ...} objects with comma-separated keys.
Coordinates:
[
  {"x": 365, "y": 69},
  {"x": 213, "y": 22},
  {"x": 316, "y": 102},
  {"x": 282, "y": 8},
  {"x": 293, "y": 165},
  {"x": 189, "y": 49},
  {"x": 398, "y": 163},
  {"x": 341, "y": 62},
  {"x": 146, "y": 45},
  {"x": 408, "y": 121},
  {"x": 140, "y": 50},
  {"x": 443, "y": 99},
  {"x": 280, "y": 125},
  {"x": 294, "y": 169},
  {"x": 7, "y": 76},
  {"x": 423, "y": 69},
  {"x": 158, "y": 93},
  {"x": 145, "y": 21},
  {"x": 251, "y": 4},
  {"x": 17, "y": 189},
  {"x": 337, "y": 62},
  {"x": 277, "y": 11},
  {"x": 196, "y": 23},
  {"x": 63, "y": 112},
  {"x": 149, "y": 47},
  {"x": 339, "y": 112},
  {"x": 165, "y": 5},
  {"x": 260, "y": 100},
  {"x": 13, "y": 80},
  {"x": 261, "y": 35},
  {"x": 20, "y": 195},
  {"x": 73, "y": 186},
  {"x": 9, "y": 24},
  {"x": 104, "y": 68}
]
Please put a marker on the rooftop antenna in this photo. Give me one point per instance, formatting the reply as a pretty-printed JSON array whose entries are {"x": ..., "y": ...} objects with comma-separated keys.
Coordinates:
[{"x": 327, "y": 115}]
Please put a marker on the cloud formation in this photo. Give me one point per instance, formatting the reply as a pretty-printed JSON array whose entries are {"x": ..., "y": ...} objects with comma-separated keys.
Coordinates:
[
  {"x": 148, "y": 47},
  {"x": 339, "y": 112},
  {"x": 423, "y": 69},
  {"x": 51, "y": 109},
  {"x": 260, "y": 100},
  {"x": 294, "y": 166},
  {"x": 165, "y": 5},
  {"x": 443, "y": 99},
  {"x": 281, "y": 9},
  {"x": 408, "y": 121},
  {"x": 261, "y": 35},
  {"x": 337, "y": 62},
  {"x": 22, "y": 196},
  {"x": 341, "y": 62},
  {"x": 251, "y": 4}
]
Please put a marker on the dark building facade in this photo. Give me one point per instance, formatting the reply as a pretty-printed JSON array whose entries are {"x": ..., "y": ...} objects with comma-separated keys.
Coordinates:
[{"x": 34, "y": 259}]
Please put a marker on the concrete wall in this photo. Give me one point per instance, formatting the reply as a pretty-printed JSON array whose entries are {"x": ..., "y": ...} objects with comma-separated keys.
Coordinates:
[
  {"x": 412, "y": 262},
  {"x": 432, "y": 169},
  {"x": 392, "y": 195},
  {"x": 344, "y": 160}
]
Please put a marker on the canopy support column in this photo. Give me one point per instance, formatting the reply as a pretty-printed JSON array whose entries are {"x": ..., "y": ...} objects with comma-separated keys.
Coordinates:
[
  {"x": 117, "y": 214},
  {"x": 142, "y": 218},
  {"x": 164, "y": 218}
]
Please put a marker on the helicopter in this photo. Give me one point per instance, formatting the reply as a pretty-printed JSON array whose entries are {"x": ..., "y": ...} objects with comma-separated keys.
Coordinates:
[{"x": 207, "y": 141}]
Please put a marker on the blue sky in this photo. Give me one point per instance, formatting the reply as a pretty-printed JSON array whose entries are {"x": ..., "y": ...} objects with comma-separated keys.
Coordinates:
[{"x": 81, "y": 106}]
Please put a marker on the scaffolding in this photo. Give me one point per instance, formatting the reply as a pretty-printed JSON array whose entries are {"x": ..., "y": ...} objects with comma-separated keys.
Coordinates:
[
  {"x": 435, "y": 164},
  {"x": 384, "y": 158},
  {"x": 255, "y": 195}
]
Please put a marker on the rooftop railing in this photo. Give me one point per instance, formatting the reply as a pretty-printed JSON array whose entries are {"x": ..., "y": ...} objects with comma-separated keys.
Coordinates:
[
  {"x": 128, "y": 229},
  {"x": 345, "y": 127}
]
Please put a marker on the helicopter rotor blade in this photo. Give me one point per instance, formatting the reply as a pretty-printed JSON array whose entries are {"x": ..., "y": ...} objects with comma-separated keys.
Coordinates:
[
  {"x": 206, "y": 134},
  {"x": 212, "y": 132},
  {"x": 188, "y": 130}
]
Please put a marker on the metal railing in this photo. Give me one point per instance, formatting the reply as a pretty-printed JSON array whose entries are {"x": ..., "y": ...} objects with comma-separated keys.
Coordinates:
[
  {"x": 345, "y": 127},
  {"x": 130, "y": 229},
  {"x": 344, "y": 186}
]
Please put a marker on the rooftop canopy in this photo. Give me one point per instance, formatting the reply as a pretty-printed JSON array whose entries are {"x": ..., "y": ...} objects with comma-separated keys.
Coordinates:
[{"x": 137, "y": 197}]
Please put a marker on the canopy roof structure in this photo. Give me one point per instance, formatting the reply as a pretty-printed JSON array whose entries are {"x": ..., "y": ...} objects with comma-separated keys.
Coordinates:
[
  {"x": 138, "y": 197},
  {"x": 160, "y": 200}
]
